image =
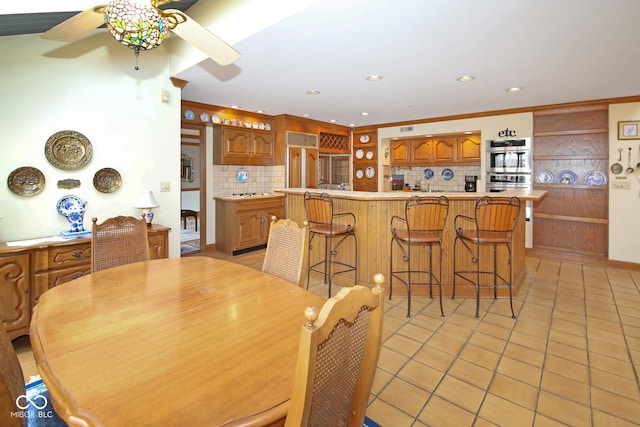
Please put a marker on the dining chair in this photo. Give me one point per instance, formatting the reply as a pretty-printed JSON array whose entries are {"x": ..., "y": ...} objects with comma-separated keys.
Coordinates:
[
  {"x": 335, "y": 228},
  {"x": 285, "y": 252},
  {"x": 421, "y": 227},
  {"x": 492, "y": 225},
  {"x": 337, "y": 359},
  {"x": 15, "y": 408},
  {"x": 117, "y": 241}
]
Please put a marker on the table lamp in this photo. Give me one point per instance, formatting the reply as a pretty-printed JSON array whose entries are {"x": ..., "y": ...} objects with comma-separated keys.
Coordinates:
[{"x": 146, "y": 202}]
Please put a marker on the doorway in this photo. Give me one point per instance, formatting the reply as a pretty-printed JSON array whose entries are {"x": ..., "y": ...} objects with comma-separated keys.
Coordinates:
[{"x": 192, "y": 189}]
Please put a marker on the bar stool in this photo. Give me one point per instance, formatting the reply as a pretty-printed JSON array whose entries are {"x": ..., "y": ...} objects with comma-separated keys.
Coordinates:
[
  {"x": 335, "y": 228},
  {"x": 422, "y": 225},
  {"x": 494, "y": 222}
]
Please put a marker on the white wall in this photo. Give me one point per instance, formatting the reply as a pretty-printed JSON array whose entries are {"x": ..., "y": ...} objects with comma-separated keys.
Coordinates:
[
  {"x": 624, "y": 205},
  {"x": 91, "y": 87}
]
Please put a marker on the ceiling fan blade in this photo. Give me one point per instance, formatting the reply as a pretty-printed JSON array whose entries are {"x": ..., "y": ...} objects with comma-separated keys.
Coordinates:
[
  {"x": 76, "y": 26},
  {"x": 204, "y": 40}
]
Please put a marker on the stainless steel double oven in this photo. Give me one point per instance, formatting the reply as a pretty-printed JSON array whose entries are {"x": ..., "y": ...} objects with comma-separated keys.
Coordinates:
[{"x": 509, "y": 168}]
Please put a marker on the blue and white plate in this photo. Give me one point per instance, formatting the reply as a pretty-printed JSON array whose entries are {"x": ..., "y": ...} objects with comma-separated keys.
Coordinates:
[
  {"x": 242, "y": 175},
  {"x": 544, "y": 177},
  {"x": 447, "y": 174},
  {"x": 567, "y": 177},
  {"x": 428, "y": 173},
  {"x": 595, "y": 178}
]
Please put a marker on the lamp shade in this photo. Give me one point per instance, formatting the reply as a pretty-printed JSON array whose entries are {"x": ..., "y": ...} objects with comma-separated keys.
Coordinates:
[
  {"x": 135, "y": 24},
  {"x": 146, "y": 201}
]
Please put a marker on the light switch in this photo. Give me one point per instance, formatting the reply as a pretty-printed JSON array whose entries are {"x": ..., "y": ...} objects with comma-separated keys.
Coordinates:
[{"x": 165, "y": 187}]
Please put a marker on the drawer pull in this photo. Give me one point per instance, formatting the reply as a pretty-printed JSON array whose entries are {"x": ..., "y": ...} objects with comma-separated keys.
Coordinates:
[{"x": 78, "y": 255}]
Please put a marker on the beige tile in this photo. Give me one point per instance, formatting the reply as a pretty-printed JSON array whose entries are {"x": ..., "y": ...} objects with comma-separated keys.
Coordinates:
[
  {"x": 514, "y": 391},
  {"x": 529, "y": 341},
  {"x": 565, "y": 387},
  {"x": 616, "y": 405},
  {"x": 567, "y": 352},
  {"x": 414, "y": 332},
  {"x": 445, "y": 343},
  {"x": 390, "y": 360},
  {"x": 487, "y": 342},
  {"x": 460, "y": 393},
  {"x": 404, "y": 396},
  {"x": 402, "y": 345},
  {"x": 387, "y": 415},
  {"x": 505, "y": 413},
  {"x": 434, "y": 357},
  {"x": 606, "y": 420},
  {"x": 380, "y": 380},
  {"x": 623, "y": 368},
  {"x": 421, "y": 375},
  {"x": 494, "y": 330},
  {"x": 627, "y": 387},
  {"x": 567, "y": 368},
  {"x": 519, "y": 370},
  {"x": 471, "y": 373},
  {"x": 524, "y": 354},
  {"x": 441, "y": 413},
  {"x": 480, "y": 356},
  {"x": 563, "y": 410}
]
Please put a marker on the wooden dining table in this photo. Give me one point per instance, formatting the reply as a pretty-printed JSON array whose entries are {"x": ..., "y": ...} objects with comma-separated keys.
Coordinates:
[{"x": 190, "y": 341}]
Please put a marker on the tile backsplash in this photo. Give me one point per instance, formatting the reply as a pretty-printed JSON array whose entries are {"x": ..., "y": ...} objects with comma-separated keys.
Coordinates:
[
  {"x": 415, "y": 174},
  {"x": 261, "y": 179}
]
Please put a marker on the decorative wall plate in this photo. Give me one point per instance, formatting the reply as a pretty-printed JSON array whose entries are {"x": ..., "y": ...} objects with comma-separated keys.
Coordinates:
[
  {"x": 242, "y": 175},
  {"x": 567, "y": 177},
  {"x": 107, "y": 180},
  {"x": 26, "y": 181},
  {"x": 359, "y": 153},
  {"x": 447, "y": 174},
  {"x": 215, "y": 118},
  {"x": 267, "y": 126},
  {"x": 428, "y": 173},
  {"x": 370, "y": 172},
  {"x": 544, "y": 177},
  {"x": 204, "y": 116},
  {"x": 359, "y": 174},
  {"x": 68, "y": 150},
  {"x": 189, "y": 115},
  {"x": 595, "y": 178},
  {"x": 364, "y": 139},
  {"x": 369, "y": 154}
]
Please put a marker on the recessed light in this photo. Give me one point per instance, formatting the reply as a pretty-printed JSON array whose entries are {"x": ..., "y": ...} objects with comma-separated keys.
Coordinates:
[
  {"x": 465, "y": 78},
  {"x": 260, "y": 111},
  {"x": 375, "y": 77},
  {"x": 332, "y": 121},
  {"x": 235, "y": 106},
  {"x": 306, "y": 115},
  {"x": 352, "y": 125},
  {"x": 468, "y": 132},
  {"x": 514, "y": 89},
  {"x": 364, "y": 113},
  {"x": 313, "y": 92}
]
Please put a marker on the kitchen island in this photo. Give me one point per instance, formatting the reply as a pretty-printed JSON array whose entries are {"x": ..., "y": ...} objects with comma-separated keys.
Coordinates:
[{"x": 373, "y": 211}]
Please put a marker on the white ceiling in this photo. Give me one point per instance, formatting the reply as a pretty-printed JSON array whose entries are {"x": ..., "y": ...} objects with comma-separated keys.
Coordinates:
[{"x": 556, "y": 50}]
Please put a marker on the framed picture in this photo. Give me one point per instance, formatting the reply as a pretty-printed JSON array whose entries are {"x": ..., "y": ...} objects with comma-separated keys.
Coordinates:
[{"x": 629, "y": 130}]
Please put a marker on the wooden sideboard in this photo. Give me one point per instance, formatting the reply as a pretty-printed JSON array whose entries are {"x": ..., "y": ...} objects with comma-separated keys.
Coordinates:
[{"x": 30, "y": 269}]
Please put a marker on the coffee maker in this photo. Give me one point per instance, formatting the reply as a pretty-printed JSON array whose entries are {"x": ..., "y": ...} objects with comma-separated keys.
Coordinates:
[{"x": 470, "y": 183}]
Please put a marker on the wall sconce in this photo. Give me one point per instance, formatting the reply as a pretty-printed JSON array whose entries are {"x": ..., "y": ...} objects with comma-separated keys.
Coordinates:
[
  {"x": 146, "y": 202},
  {"x": 386, "y": 152}
]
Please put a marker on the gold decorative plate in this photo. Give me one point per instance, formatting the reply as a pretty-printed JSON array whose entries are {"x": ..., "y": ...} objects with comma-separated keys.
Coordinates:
[
  {"x": 107, "y": 180},
  {"x": 26, "y": 181},
  {"x": 68, "y": 150}
]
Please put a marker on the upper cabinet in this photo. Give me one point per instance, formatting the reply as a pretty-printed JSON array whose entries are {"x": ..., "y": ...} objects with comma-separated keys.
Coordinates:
[
  {"x": 437, "y": 150},
  {"x": 242, "y": 146}
]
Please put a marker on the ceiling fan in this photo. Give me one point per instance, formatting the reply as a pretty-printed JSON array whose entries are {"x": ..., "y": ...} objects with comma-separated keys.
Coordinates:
[{"x": 142, "y": 25}]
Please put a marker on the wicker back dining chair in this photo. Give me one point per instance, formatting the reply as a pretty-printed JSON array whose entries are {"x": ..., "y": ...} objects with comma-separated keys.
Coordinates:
[
  {"x": 337, "y": 359},
  {"x": 285, "y": 254},
  {"x": 422, "y": 227},
  {"x": 11, "y": 382},
  {"x": 492, "y": 225},
  {"x": 117, "y": 241}
]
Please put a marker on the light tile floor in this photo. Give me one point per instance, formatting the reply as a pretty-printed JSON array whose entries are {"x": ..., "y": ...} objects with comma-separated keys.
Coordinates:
[{"x": 571, "y": 357}]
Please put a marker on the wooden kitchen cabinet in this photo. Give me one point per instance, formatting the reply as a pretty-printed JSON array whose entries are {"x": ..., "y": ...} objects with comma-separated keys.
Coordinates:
[
  {"x": 242, "y": 223},
  {"x": 423, "y": 151},
  {"x": 297, "y": 158},
  {"x": 469, "y": 149},
  {"x": 27, "y": 272},
  {"x": 365, "y": 160},
  {"x": 242, "y": 146}
]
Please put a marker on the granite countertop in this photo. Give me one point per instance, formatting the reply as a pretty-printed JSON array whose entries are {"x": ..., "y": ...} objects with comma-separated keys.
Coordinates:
[{"x": 534, "y": 195}]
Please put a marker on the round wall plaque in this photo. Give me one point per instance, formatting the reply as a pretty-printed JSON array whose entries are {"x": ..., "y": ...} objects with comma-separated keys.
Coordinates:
[{"x": 68, "y": 150}]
